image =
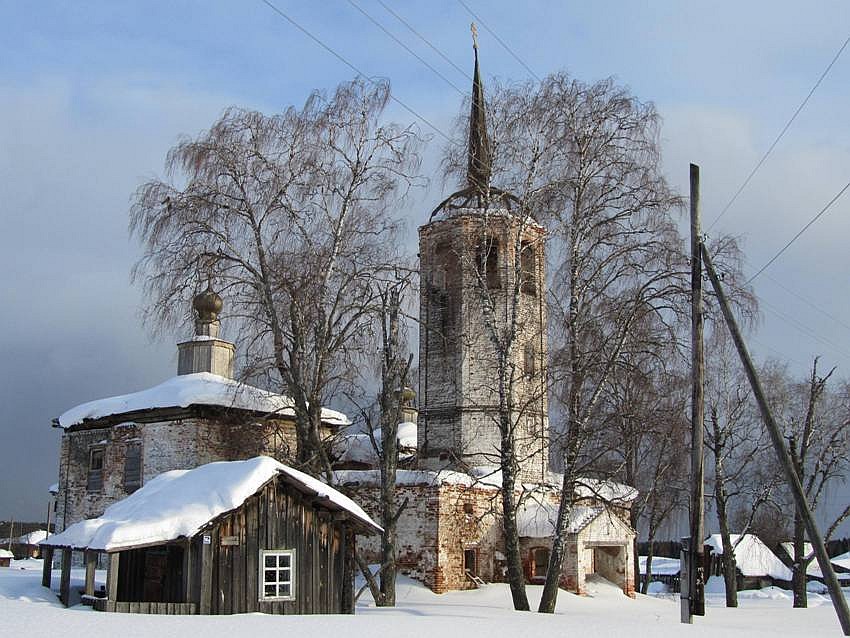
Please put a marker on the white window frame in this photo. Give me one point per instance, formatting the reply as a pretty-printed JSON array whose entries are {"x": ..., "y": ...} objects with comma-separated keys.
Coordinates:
[{"x": 291, "y": 582}]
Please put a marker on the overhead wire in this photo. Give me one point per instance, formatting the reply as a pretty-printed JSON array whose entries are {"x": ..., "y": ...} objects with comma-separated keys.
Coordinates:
[
  {"x": 350, "y": 65},
  {"x": 499, "y": 40},
  {"x": 809, "y": 302},
  {"x": 405, "y": 47},
  {"x": 820, "y": 214},
  {"x": 781, "y": 133},
  {"x": 425, "y": 40}
]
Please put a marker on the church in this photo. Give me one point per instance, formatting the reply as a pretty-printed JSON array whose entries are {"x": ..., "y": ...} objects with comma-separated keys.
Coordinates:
[{"x": 482, "y": 275}]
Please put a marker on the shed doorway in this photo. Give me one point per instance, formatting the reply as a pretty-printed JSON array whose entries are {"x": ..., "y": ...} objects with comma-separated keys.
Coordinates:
[{"x": 609, "y": 562}]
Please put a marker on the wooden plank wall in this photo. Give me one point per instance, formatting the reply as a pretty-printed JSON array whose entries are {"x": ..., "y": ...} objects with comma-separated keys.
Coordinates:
[{"x": 277, "y": 517}]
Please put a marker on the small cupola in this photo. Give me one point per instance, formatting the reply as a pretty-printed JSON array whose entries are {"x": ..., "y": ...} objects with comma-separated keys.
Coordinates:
[{"x": 206, "y": 352}]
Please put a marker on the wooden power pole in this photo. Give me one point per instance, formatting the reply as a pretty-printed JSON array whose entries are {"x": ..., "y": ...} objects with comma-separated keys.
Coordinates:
[
  {"x": 838, "y": 600},
  {"x": 693, "y": 598}
]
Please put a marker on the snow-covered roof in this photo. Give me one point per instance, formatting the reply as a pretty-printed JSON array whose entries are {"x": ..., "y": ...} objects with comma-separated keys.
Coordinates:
[
  {"x": 419, "y": 477},
  {"x": 661, "y": 565},
  {"x": 752, "y": 556},
  {"x": 491, "y": 478},
  {"x": 179, "y": 503},
  {"x": 201, "y": 388},
  {"x": 357, "y": 447},
  {"x": 53, "y": 488},
  {"x": 5, "y": 553},
  {"x": 842, "y": 561},
  {"x": 607, "y": 490},
  {"x": 537, "y": 520},
  {"x": 33, "y": 538}
]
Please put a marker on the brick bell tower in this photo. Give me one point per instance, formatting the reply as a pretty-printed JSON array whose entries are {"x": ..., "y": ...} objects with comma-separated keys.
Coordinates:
[{"x": 481, "y": 274}]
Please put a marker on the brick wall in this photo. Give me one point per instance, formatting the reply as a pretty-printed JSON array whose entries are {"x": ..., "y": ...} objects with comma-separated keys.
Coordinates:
[
  {"x": 166, "y": 445},
  {"x": 458, "y": 389}
]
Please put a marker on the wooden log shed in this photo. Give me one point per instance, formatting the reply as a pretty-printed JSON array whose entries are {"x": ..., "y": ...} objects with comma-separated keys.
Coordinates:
[{"x": 282, "y": 543}]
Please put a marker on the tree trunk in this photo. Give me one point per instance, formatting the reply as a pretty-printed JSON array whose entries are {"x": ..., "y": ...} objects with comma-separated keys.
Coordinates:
[
  {"x": 730, "y": 566},
  {"x": 516, "y": 579},
  {"x": 559, "y": 544}
]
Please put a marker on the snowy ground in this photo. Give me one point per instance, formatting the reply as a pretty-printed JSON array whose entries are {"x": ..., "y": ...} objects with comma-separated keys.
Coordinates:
[{"x": 27, "y": 609}]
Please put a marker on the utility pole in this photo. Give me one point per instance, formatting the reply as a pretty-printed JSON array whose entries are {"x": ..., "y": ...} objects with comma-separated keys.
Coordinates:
[
  {"x": 694, "y": 596},
  {"x": 838, "y": 600}
]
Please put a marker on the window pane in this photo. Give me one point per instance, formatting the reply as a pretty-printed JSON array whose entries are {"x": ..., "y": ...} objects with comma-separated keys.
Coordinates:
[
  {"x": 284, "y": 576},
  {"x": 271, "y": 576},
  {"x": 271, "y": 560},
  {"x": 284, "y": 590},
  {"x": 284, "y": 560},
  {"x": 270, "y": 591}
]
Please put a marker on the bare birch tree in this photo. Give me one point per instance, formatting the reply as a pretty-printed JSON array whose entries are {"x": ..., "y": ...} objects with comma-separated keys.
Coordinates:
[
  {"x": 818, "y": 434},
  {"x": 742, "y": 477},
  {"x": 291, "y": 215}
]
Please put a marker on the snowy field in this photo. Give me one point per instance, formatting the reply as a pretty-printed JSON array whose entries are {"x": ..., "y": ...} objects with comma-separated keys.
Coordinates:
[{"x": 28, "y": 609}]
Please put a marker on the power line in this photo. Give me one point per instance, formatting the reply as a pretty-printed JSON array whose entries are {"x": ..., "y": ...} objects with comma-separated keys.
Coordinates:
[
  {"x": 781, "y": 133},
  {"x": 499, "y": 40},
  {"x": 802, "y": 230},
  {"x": 342, "y": 59},
  {"x": 406, "y": 48},
  {"x": 809, "y": 302},
  {"x": 425, "y": 40},
  {"x": 805, "y": 330}
]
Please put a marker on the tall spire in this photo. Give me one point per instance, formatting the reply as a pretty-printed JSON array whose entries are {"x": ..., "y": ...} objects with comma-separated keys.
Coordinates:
[{"x": 478, "y": 172}]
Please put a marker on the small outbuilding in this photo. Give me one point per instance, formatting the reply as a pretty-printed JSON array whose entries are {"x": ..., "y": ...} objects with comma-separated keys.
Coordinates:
[
  {"x": 757, "y": 566},
  {"x": 5, "y": 557},
  {"x": 224, "y": 538},
  {"x": 598, "y": 542}
]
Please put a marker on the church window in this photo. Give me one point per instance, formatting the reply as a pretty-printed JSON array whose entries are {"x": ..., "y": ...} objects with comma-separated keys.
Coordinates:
[
  {"x": 277, "y": 574},
  {"x": 95, "y": 475},
  {"x": 133, "y": 467},
  {"x": 488, "y": 263},
  {"x": 529, "y": 360},
  {"x": 528, "y": 268}
]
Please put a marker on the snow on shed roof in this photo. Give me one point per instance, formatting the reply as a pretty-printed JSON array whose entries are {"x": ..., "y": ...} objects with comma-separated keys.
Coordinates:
[
  {"x": 5, "y": 553},
  {"x": 752, "y": 556},
  {"x": 537, "y": 520},
  {"x": 200, "y": 388},
  {"x": 179, "y": 503}
]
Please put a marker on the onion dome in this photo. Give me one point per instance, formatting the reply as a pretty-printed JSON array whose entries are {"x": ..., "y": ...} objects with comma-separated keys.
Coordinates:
[{"x": 207, "y": 304}]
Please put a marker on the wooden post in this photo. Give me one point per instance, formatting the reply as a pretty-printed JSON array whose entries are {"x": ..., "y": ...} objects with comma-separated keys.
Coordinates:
[
  {"x": 697, "y": 528},
  {"x": 187, "y": 572},
  {"x": 838, "y": 600},
  {"x": 112, "y": 576},
  {"x": 47, "y": 569},
  {"x": 91, "y": 565},
  {"x": 348, "y": 571},
  {"x": 65, "y": 578},
  {"x": 205, "y": 604},
  {"x": 685, "y": 581}
]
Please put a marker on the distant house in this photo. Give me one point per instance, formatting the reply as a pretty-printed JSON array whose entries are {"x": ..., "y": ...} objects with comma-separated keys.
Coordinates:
[
  {"x": 664, "y": 570},
  {"x": 29, "y": 543},
  {"x": 840, "y": 564},
  {"x": 5, "y": 557},
  {"x": 223, "y": 538},
  {"x": 757, "y": 566}
]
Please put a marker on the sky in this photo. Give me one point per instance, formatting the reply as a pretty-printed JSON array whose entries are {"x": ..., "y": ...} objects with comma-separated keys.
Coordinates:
[{"x": 93, "y": 95}]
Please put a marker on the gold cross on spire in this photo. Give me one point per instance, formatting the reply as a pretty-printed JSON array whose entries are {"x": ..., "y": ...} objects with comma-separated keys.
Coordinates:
[{"x": 474, "y": 30}]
